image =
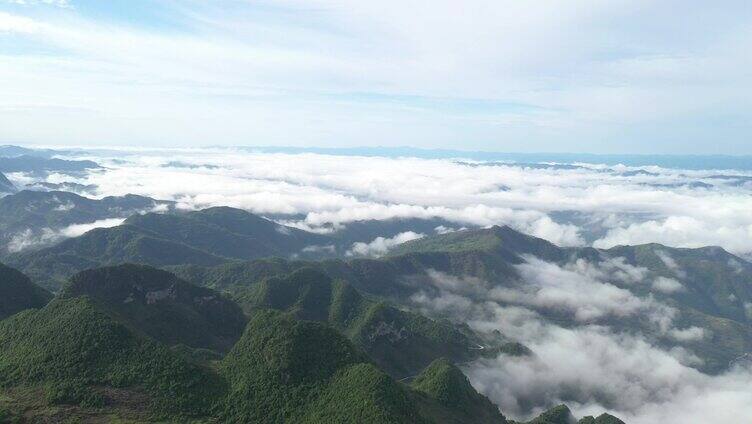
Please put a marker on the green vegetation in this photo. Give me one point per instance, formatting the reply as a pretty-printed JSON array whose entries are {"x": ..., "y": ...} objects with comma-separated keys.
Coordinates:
[
  {"x": 446, "y": 384},
  {"x": 162, "y": 306},
  {"x": 97, "y": 351},
  {"x": 72, "y": 348},
  {"x": 208, "y": 237},
  {"x": 399, "y": 342},
  {"x": 18, "y": 293}
]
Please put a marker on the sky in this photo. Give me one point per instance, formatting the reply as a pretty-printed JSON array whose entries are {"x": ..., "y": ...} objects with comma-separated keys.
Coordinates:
[{"x": 631, "y": 76}]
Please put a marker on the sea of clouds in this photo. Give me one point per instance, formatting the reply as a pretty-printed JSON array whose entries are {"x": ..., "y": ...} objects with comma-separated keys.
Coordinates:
[
  {"x": 587, "y": 204},
  {"x": 590, "y": 366}
]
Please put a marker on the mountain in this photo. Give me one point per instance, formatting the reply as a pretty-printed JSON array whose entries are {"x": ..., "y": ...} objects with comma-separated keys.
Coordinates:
[
  {"x": 42, "y": 166},
  {"x": 11, "y": 151},
  {"x": 18, "y": 293},
  {"x": 34, "y": 219},
  {"x": 446, "y": 384},
  {"x": 5, "y": 185},
  {"x": 160, "y": 305},
  {"x": 562, "y": 415},
  {"x": 207, "y": 237},
  {"x": 71, "y": 352},
  {"x": 228, "y": 232},
  {"x": 707, "y": 288},
  {"x": 399, "y": 342},
  {"x": 368, "y": 230},
  {"x": 502, "y": 241},
  {"x": 284, "y": 370}
]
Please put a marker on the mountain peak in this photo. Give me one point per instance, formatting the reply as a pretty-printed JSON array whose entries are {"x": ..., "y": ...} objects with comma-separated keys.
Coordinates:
[
  {"x": 503, "y": 240},
  {"x": 161, "y": 305},
  {"x": 445, "y": 383}
]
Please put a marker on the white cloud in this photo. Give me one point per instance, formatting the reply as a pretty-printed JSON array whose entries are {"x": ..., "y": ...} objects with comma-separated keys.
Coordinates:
[
  {"x": 29, "y": 238},
  {"x": 380, "y": 245},
  {"x": 688, "y": 334},
  {"x": 595, "y": 204},
  {"x": 667, "y": 285},
  {"x": 591, "y": 367},
  {"x": 328, "y": 72}
]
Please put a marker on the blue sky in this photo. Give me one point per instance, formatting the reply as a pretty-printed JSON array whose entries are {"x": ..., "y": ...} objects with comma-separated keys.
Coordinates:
[{"x": 526, "y": 76}]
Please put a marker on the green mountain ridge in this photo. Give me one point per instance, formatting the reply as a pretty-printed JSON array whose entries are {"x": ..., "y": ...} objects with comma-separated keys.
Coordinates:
[
  {"x": 76, "y": 357},
  {"x": 445, "y": 383},
  {"x": 162, "y": 306},
  {"x": 399, "y": 342},
  {"x": 18, "y": 293}
]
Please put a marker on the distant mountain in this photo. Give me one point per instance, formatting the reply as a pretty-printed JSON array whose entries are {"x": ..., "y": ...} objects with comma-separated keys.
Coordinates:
[
  {"x": 368, "y": 230},
  {"x": 15, "y": 151},
  {"x": 207, "y": 237},
  {"x": 33, "y": 219},
  {"x": 708, "y": 287},
  {"x": 5, "y": 185},
  {"x": 698, "y": 162},
  {"x": 18, "y": 293},
  {"x": 399, "y": 342},
  {"x": 158, "y": 304},
  {"x": 42, "y": 165},
  {"x": 64, "y": 186}
]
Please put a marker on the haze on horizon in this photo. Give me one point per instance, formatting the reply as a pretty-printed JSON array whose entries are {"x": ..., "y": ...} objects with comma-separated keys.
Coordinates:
[{"x": 556, "y": 76}]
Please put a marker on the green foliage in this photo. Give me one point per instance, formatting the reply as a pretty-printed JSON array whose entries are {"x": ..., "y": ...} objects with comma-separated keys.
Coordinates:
[
  {"x": 399, "y": 342},
  {"x": 18, "y": 293},
  {"x": 73, "y": 392},
  {"x": 159, "y": 304},
  {"x": 446, "y": 384},
  {"x": 208, "y": 237},
  {"x": 70, "y": 343},
  {"x": 279, "y": 365}
]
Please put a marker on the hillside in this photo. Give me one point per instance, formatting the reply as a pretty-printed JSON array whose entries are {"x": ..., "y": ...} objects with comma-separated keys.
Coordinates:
[
  {"x": 71, "y": 352},
  {"x": 36, "y": 219},
  {"x": 712, "y": 286},
  {"x": 562, "y": 415},
  {"x": 42, "y": 165},
  {"x": 158, "y": 304},
  {"x": 5, "y": 185},
  {"x": 207, "y": 237},
  {"x": 401, "y": 343},
  {"x": 446, "y": 384},
  {"x": 283, "y": 370},
  {"x": 18, "y": 293}
]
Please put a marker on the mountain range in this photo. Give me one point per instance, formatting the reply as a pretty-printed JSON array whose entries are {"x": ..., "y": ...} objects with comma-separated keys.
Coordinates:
[{"x": 279, "y": 329}]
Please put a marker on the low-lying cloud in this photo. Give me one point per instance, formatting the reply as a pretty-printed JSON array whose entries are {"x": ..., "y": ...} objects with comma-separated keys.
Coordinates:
[
  {"x": 591, "y": 365},
  {"x": 381, "y": 245},
  {"x": 571, "y": 206},
  {"x": 29, "y": 238}
]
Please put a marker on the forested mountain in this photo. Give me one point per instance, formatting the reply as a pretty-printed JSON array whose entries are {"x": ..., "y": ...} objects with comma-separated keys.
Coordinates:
[
  {"x": 35, "y": 219},
  {"x": 100, "y": 351},
  {"x": 18, "y": 293}
]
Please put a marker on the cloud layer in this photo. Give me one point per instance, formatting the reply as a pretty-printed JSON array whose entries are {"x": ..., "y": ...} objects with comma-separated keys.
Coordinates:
[
  {"x": 590, "y": 365},
  {"x": 571, "y": 206}
]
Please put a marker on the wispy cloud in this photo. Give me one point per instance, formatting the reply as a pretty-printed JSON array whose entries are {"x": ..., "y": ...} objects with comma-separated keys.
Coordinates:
[{"x": 503, "y": 75}]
